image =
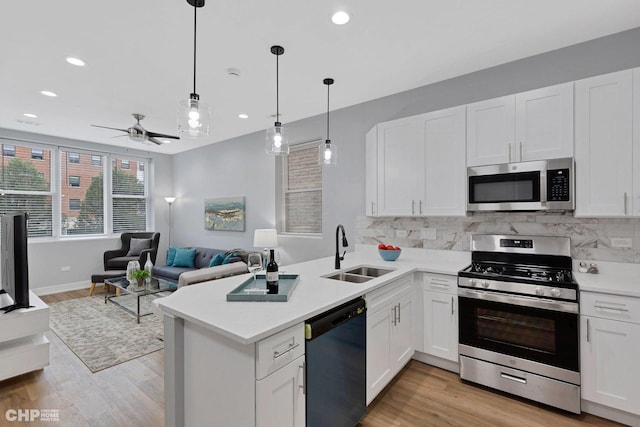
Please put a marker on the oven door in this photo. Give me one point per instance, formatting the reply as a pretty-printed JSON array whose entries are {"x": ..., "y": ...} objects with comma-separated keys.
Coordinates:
[{"x": 543, "y": 331}]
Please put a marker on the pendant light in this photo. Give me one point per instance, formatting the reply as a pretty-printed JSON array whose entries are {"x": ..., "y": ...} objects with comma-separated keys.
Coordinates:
[
  {"x": 277, "y": 138},
  {"x": 194, "y": 116},
  {"x": 327, "y": 152}
]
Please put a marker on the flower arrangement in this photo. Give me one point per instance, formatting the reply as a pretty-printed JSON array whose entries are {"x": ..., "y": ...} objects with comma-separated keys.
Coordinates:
[{"x": 140, "y": 276}]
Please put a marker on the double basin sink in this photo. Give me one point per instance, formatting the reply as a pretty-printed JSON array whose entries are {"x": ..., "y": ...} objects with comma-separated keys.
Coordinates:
[{"x": 359, "y": 274}]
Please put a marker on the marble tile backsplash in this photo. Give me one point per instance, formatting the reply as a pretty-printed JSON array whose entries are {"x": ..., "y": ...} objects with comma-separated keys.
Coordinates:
[{"x": 590, "y": 237}]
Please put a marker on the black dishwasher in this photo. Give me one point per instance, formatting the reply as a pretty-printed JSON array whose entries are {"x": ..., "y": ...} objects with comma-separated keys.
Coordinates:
[{"x": 336, "y": 366}]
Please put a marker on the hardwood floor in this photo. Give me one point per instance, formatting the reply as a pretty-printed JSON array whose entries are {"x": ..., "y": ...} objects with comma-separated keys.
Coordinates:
[{"x": 131, "y": 394}]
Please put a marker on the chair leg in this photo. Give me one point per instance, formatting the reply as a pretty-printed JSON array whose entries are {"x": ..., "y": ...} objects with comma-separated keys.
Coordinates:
[
  {"x": 117, "y": 292},
  {"x": 93, "y": 287}
]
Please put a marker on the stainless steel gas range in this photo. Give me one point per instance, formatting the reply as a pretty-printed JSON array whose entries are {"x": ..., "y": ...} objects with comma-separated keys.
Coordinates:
[{"x": 518, "y": 316}]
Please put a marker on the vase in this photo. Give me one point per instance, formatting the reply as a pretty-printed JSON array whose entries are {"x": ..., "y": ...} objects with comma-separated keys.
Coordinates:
[{"x": 131, "y": 267}]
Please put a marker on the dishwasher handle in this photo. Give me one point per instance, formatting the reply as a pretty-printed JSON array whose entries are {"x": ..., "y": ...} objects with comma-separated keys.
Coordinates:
[{"x": 323, "y": 323}]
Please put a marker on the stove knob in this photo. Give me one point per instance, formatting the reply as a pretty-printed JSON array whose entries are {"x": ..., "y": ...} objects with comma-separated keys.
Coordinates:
[
  {"x": 472, "y": 282},
  {"x": 485, "y": 284},
  {"x": 539, "y": 290},
  {"x": 555, "y": 292}
]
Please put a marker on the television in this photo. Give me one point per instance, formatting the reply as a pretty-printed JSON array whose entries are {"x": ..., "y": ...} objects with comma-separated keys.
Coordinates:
[{"x": 13, "y": 255}]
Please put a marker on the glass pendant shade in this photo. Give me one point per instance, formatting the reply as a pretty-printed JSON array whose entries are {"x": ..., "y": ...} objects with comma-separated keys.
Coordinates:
[
  {"x": 194, "y": 118},
  {"x": 327, "y": 154},
  {"x": 277, "y": 140}
]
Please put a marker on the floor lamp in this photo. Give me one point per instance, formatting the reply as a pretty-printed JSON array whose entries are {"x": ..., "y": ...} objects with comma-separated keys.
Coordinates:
[{"x": 170, "y": 200}]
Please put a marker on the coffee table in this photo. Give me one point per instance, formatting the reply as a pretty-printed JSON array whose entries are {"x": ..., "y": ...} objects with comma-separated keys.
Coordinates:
[{"x": 155, "y": 286}]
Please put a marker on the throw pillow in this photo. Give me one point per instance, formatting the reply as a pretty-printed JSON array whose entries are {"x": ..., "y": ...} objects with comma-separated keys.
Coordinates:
[
  {"x": 171, "y": 254},
  {"x": 184, "y": 258},
  {"x": 138, "y": 245},
  {"x": 216, "y": 260},
  {"x": 228, "y": 258}
]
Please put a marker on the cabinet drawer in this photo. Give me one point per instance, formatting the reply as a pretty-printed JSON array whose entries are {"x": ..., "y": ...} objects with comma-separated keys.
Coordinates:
[
  {"x": 616, "y": 307},
  {"x": 383, "y": 296},
  {"x": 278, "y": 350},
  {"x": 440, "y": 283}
]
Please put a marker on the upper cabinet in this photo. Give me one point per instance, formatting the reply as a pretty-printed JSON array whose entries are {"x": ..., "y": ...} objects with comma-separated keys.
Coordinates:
[
  {"x": 415, "y": 165},
  {"x": 606, "y": 163},
  {"x": 533, "y": 125}
]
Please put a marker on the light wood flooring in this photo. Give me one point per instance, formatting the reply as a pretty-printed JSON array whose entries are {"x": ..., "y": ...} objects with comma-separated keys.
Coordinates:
[{"x": 131, "y": 394}]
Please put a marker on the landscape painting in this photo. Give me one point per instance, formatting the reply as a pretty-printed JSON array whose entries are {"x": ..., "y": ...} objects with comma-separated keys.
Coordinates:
[{"x": 224, "y": 214}]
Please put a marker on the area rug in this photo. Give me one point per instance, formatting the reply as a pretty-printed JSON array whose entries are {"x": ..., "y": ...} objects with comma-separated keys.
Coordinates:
[{"x": 104, "y": 335}]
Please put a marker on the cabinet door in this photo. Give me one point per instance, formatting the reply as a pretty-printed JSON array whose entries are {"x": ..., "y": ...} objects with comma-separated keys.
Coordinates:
[
  {"x": 280, "y": 399},
  {"x": 445, "y": 171},
  {"x": 544, "y": 123},
  {"x": 603, "y": 152},
  {"x": 490, "y": 131},
  {"x": 636, "y": 142},
  {"x": 402, "y": 347},
  {"x": 378, "y": 354},
  {"x": 371, "y": 172},
  {"x": 609, "y": 363},
  {"x": 400, "y": 168},
  {"x": 441, "y": 325}
]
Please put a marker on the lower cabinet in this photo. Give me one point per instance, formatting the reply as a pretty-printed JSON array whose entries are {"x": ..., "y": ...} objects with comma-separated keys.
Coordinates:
[
  {"x": 280, "y": 398},
  {"x": 440, "y": 305},
  {"x": 390, "y": 331},
  {"x": 610, "y": 345}
]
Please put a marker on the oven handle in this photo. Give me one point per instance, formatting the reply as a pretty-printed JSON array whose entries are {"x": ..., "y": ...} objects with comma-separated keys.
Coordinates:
[{"x": 567, "y": 307}]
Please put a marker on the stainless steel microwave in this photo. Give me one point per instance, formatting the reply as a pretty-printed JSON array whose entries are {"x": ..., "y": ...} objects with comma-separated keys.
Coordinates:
[{"x": 525, "y": 186}]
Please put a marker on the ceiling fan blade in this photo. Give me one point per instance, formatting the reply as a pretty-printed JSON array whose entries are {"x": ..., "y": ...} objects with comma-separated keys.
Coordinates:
[
  {"x": 155, "y": 141},
  {"x": 107, "y": 127},
  {"x": 161, "y": 135}
]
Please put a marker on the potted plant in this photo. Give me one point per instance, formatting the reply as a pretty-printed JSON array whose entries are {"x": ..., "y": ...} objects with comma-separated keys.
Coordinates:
[{"x": 140, "y": 276}]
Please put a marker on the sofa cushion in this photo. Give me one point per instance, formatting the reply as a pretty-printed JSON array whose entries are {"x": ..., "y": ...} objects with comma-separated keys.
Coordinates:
[
  {"x": 138, "y": 245},
  {"x": 217, "y": 260},
  {"x": 171, "y": 255},
  {"x": 228, "y": 258},
  {"x": 168, "y": 271},
  {"x": 211, "y": 273},
  {"x": 184, "y": 258},
  {"x": 120, "y": 263},
  {"x": 204, "y": 255}
]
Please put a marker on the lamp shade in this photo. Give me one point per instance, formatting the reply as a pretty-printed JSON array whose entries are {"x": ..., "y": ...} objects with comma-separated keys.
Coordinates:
[
  {"x": 265, "y": 238},
  {"x": 169, "y": 199}
]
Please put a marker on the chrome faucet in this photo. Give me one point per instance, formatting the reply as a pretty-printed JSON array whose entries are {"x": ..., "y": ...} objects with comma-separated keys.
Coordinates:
[{"x": 344, "y": 245}]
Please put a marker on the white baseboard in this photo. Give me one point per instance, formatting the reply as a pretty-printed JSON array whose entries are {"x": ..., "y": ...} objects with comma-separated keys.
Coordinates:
[
  {"x": 47, "y": 290},
  {"x": 610, "y": 413}
]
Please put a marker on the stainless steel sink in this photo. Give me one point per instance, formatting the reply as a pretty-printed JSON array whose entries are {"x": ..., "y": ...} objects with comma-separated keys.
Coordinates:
[
  {"x": 358, "y": 274},
  {"x": 364, "y": 270}
]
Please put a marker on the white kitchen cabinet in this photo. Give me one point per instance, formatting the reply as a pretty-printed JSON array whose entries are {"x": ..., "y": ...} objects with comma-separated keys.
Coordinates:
[
  {"x": 444, "y": 167},
  {"x": 532, "y": 125},
  {"x": 440, "y": 305},
  {"x": 604, "y": 146},
  {"x": 609, "y": 350},
  {"x": 371, "y": 172},
  {"x": 390, "y": 333},
  {"x": 280, "y": 398},
  {"x": 400, "y": 174}
]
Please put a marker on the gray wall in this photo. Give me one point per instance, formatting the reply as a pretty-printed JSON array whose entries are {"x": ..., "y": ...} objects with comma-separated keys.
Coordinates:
[
  {"x": 84, "y": 255},
  {"x": 239, "y": 167}
]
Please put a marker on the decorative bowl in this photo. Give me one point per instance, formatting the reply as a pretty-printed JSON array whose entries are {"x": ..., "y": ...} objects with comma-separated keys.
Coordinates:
[{"x": 389, "y": 255}]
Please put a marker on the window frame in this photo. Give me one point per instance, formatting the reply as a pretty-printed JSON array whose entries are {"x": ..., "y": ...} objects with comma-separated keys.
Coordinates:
[{"x": 71, "y": 157}]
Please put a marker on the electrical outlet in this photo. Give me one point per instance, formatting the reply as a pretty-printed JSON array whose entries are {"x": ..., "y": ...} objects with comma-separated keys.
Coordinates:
[
  {"x": 621, "y": 242},
  {"x": 428, "y": 233},
  {"x": 65, "y": 268},
  {"x": 401, "y": 233}
]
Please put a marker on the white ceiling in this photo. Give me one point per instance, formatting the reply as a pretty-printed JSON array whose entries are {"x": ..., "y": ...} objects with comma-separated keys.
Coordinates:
[{"x": 139, "y": 56}]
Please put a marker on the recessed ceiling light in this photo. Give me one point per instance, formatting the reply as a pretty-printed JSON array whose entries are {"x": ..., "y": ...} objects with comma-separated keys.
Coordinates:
[
  {"x": 340, "y": 17},
  {"x": 31, "y": 115},
  {"x": 48, "y": 93},
  {"x": 75, "y": 61},
  {"x": 243, "y": 116}
]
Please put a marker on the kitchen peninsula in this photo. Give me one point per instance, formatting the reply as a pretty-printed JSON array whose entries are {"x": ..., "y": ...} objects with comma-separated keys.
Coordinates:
[{"x": 220, "y": 355}]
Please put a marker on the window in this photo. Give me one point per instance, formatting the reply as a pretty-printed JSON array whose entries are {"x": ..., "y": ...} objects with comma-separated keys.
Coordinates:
[
  {"x": 74, "y": 181},
  {"x": 25, "y": 185},
  {"x": 74, "y": 204},
  {"x": 74, "y": 158},
  {"x": 300, "y": 205},
  {"x": 96, "y": 160},
  {"x": 129, "y": 197},
  {"x": 8, "y": 150},
  {"x": 37, "y": 154}
]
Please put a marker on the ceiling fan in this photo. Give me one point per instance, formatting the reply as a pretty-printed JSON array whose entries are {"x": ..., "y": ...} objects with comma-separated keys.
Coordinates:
[{"x": 139, "y": 134}]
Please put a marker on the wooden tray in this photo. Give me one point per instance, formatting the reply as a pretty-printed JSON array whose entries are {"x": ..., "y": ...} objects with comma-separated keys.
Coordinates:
[{"x": 257, "y": 291}]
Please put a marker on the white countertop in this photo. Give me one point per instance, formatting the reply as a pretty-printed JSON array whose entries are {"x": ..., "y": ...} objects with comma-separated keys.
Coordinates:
[
  {"x": 617, "y": 278},
  {"x": 247, "y": 322}
]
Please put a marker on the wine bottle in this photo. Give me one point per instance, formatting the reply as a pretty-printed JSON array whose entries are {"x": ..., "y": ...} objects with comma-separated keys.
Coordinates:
[{"x": 272, "y": 274}]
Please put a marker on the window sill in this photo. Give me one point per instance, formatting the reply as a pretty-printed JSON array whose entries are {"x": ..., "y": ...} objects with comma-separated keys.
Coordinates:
[{"x": 316, "y": 236}]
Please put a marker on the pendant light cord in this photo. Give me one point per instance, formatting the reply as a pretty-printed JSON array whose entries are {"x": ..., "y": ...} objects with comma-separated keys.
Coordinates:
[
  {"x": 277, "y": 90},
  {"x": 328, "y": 139},
  {"x": 195, "y": 23}
]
